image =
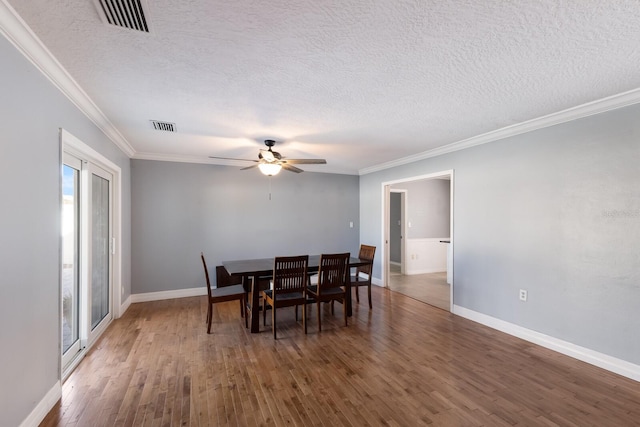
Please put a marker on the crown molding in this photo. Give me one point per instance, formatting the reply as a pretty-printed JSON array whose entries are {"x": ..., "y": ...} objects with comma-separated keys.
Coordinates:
[
  {"x": 603, "y": 105},
  {"x": 13, "y": 27}
]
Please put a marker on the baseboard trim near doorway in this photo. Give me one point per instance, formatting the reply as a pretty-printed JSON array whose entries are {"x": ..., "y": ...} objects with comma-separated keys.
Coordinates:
[
  {"x": 601, "y": 360},
  {"x": 44, "y": 406}
]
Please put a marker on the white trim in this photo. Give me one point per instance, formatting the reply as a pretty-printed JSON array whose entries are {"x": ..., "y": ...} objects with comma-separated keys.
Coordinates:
[
  {"x": 425, "y": 271},
  {"x": 43, "y": 407},
  {"x": 601, "y": 360},
  {"x": 124, "y": 307},
  {"x": 162, "y": 295},
  {"x": 13, "y": 27},
  {"x": 598, "y": 106}
]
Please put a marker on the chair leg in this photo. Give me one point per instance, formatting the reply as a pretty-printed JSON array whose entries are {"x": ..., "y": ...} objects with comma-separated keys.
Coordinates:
[
  {"x": 296, "y": 313},
  {"x": 369, "y": 289},
  {"x": 357, "y": 294},
  {"x": 273, "y": 320},
  {"x": 209, "y": 317},
  {"x": 264, "y": 311},
  {"x": 344, "y": 311},
  {"x": 319, "y": 318},
  {"x": 208, "y": 312},
  {"x": 304, "y": 317},
  {"x": 243, "y": 301}
]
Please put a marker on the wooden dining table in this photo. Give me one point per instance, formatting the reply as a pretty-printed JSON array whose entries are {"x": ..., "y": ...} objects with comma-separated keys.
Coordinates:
[{"x": 252, "y": 270}]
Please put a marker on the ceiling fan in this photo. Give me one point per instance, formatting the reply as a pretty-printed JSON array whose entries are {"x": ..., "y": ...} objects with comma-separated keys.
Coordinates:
[{"x": 271, "y": 162}]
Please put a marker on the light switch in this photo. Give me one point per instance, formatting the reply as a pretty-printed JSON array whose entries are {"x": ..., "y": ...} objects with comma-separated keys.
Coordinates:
[{"x": 350, "y": 224}]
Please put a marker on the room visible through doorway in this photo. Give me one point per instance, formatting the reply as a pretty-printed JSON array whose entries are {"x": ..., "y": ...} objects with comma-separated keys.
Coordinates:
[{"x": 418, "y": 222}]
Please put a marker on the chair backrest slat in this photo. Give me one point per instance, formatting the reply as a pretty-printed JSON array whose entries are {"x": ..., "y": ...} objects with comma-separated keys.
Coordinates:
[
  {"x": 333, "y": 271},
  {"x": 366, "y": 253},
  {"x": 290, "y": 273}
]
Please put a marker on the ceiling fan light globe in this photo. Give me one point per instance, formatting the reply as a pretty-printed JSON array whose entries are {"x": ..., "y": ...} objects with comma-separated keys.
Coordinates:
[{"x": 270, "y": 169}]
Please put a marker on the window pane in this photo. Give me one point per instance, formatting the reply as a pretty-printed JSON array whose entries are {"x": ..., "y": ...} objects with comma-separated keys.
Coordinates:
[
  {"x": 99, "y": 249},
  {"x": 70, "y": 265}
]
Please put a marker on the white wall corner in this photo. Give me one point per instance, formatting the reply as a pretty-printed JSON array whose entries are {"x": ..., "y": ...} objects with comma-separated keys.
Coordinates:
[
  {"x": 601, "y": 360},
  {"x": 162, "y": 295},
  {"x": 43, "y": 407}
]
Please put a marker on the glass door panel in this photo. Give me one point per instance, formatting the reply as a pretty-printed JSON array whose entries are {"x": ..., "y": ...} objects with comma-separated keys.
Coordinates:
[
  {"x": 100, "y": 254},
  {"x": 70, "y": 259}
]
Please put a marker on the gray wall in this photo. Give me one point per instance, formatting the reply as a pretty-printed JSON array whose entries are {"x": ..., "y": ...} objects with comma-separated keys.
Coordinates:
[
  {"x": 556, "y": 212},
  {"x": 31, "y": 112},
  {"x": 181, "y": 209},
  {"x": 428, "y": 208}
]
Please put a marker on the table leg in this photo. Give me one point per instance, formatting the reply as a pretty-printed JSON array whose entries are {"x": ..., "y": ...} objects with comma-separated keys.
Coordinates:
[{"x": 255, "y": 306}]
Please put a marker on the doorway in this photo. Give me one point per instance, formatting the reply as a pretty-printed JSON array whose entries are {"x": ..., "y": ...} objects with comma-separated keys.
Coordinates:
[{"x": 418, "y": 226}]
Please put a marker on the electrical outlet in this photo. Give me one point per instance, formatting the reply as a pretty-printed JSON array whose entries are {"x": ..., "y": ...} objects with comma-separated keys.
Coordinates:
[{"x": 523, "y": 295}]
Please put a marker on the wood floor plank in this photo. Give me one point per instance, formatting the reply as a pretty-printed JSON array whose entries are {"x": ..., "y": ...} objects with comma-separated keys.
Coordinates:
[{"x": 402, "y": 363}]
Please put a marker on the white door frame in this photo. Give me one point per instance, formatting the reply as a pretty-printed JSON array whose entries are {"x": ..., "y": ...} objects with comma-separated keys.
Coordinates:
[
  {"x": 403, "y": 224},
  {"x": 384, "y": 244},
  {"x": 72, "y": 145}
]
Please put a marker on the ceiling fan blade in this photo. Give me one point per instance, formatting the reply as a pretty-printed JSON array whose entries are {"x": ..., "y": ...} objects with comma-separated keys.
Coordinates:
[
  {"x": 305, "y": 161},
  {"x": 291, "y": 168},
  {"x": 231, "y": 158},
  {"x": 268, "y": 155},
  {"x": 249, "y": 167}
]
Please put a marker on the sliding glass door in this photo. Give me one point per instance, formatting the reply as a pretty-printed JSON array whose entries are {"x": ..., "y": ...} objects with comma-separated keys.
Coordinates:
[{"x": 87, "y": 248}]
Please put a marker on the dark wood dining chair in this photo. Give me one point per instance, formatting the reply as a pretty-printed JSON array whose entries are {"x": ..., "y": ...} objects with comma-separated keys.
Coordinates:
[
  {"x": 226, "y": 292},
  {"x": 289, "y": 288},
  {"x": 366, "y": 253},
  {"x": 332, "y": 276}
]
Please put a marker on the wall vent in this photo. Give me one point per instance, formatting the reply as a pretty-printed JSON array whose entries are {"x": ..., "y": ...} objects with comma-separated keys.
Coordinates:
[
  {"x": 129, "y": 14},
  {"x": 163, "y": 126}
]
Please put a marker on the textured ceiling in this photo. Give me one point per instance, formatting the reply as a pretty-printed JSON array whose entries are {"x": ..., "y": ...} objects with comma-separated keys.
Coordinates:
[{"x": 357, "y": 82}]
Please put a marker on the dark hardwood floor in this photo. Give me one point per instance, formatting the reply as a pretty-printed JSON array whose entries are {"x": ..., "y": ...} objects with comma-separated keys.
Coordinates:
[{"x": 404, "y": 363}]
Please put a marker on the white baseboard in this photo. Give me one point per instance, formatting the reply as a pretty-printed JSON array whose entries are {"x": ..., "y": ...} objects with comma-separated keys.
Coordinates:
[
  {"x": 178, "y": 293},
  {"x": 42, "y": 409},
  {"x": 124, "y": 307},
  {"x": 601, "y": 360},
  {"x": 425, "y": 271}
]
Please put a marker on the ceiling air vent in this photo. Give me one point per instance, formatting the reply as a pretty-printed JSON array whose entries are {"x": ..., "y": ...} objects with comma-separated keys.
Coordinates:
[
  {"x": 124, "y": 13},
  {"x": 164, "y": 126}
]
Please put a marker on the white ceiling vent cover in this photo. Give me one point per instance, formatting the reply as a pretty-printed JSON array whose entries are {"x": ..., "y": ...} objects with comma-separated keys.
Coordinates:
[
  {"x": 131, "y": 14},
  {"x": 163, "y": 126}
]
